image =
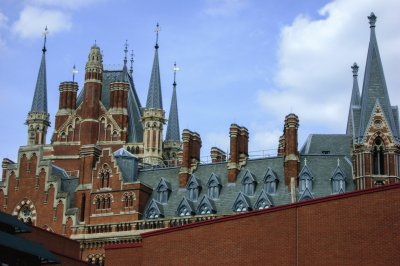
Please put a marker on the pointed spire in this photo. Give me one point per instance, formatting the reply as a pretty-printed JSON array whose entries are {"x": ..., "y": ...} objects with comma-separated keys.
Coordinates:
[
  {"x": 173, "y": 133},
  {"x": 39, "y": 103},
  {"x": 131, "y": 69},
  {"x": 354, "y": 101},
  {"x": 374, "y": 86},
  {"x": 154, "y": 97},
  {"x": 74, "y": 71},
  {"x": 157, "y": 30},
  {"x": 125, "y": 68}
]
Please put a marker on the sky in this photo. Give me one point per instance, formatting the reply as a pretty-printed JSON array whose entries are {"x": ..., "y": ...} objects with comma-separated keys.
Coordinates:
[{"x": 249, "y": 62}]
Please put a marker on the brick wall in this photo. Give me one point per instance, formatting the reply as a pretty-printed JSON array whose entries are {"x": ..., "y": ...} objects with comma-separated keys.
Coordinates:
[{"x": 357, "y": 228}]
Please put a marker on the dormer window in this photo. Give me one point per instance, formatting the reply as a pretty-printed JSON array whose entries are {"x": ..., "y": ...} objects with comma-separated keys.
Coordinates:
[
  {"x": 338, "y": 181},
  {"x": 214, "y": 186},
  {"x": 154, "y": 210},
  {"x": 163, "y": 190},
  {"x": 241, "y": 203},
  {"x": 270, "y": 182},
  {"x": 249, "y": 183},
  {"x": 193, "y": 188},
  {"x": 185, "y": 208},
  {"x": 305, "y": 179}
]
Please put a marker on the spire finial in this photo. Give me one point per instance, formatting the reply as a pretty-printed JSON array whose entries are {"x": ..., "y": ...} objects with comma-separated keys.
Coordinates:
[
  {"x": 157, "y": 30},
  {"x": 45, "y": 33},
  {"x": 126, "y": 52},
  {"x": 354, "y": 68},
  {"x": 372, "y": 20},
  {"x": 305, "y": 161},
  {"x": 74, "y": 71},
  {"x": 131, "y": 69},
  {"x": 175, "y": 70},
  {"x": 338, "y": 162}
]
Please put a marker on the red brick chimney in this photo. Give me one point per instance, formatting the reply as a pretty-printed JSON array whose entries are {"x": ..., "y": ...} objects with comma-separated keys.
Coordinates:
[
  {"x": 281, "y": 146},
  {"x": 191, "y": 143},
  {"x": 292, "y": 163},
  {"x": 118, "y": 106},
  {"x": 239, "y": 139},
  {"x": 217, "y": 155},
  {"x": 67, "y": 103}
]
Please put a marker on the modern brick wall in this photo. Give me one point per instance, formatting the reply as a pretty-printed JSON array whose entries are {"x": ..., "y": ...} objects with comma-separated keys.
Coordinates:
[{"x": 357, "y": 228}]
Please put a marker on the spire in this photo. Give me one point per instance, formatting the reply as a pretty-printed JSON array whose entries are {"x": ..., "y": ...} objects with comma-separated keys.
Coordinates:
[
  {"x": 39, "y": 103},
  {"x": 173, "y": 133},
  {"x": 154, "y": 97},
  {"x": 374, "y": 87},
  {"x": 125, "y": 68},
  {"x": 354, "y": 101}
]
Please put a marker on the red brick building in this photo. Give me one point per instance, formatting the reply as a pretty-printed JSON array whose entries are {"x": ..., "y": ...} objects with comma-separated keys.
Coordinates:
[{"x": 109, "y": 174}]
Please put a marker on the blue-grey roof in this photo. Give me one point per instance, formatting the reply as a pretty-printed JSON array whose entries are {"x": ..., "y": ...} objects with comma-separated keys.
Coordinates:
[
  {"x": 374, "y": 87},
  {"x": 154, "y": 97},
  {"x": 173, "y": 133},
  {"x": 68, "y": 184},
  {"x": 354, "y": 101},
  {"x": 135, "y": 127},
  {"x": 324, "y": 144},
  {"x": 39, "y": 103},
  {"x": 127, "y": 163}
]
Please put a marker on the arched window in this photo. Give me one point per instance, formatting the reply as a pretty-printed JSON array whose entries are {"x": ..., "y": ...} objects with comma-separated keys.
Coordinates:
[
  {"x": 105, "y": 176},
  {"x": 25, "y": 214},
  {"x": 378, "y": 157}
]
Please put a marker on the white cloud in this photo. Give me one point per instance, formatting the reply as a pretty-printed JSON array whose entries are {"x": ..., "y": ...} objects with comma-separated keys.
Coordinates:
[
  {"x": 3, "y": 20},
  {"x": 224, "y": 7},
  {"x": 67, "y": 4},
  {"x": 33, "y": 20},
  {"x": 314, "y": 78}
]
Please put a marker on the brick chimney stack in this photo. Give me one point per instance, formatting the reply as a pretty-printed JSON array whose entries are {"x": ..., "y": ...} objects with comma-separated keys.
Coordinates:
[
  {"x": 281, "y": 146},
  {"x": 67, "y": 102},
  {"x": 217, "y": 155},
  {"x": 239, "y": 140},
  {"x": 190, "y": 155},
  {"x": 292, "y": 162},
  {"x": 119, "y": 105}
]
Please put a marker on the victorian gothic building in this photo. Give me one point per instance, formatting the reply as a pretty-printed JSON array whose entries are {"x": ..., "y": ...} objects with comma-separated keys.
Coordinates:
[{"x": 109, "y": 175}]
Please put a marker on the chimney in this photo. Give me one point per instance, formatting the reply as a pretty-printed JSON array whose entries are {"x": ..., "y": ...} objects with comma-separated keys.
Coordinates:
[
  {"x": 67, "y": 103},
  {"x": 239, "y": 139},
  {"x": 291, "y": 163},
  {"x": 217, "y": 155},
  {"x": 118, "y": 106},
  {"x": 191, "y": 143},
  {"x": 281, "y": 146}
]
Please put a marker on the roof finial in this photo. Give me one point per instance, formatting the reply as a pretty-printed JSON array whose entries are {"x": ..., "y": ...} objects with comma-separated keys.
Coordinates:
[
  {"x": 74, "y": 71},
  {"x": 338, "y": 162},
  {"x": 305, "y": 161},
  {"x": 175, "y": 69},
  {"x": 372, "y": 20},
  {"x": 131, "y": 69},
  {"x": 157, "y": 30},
  {"x": 354, "y": 67},
  {"x": 45, "y": 33},
  {"x": 125, "y": 51}
]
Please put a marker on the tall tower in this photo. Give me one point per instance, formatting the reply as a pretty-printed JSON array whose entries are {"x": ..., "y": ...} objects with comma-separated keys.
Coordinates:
[
  {"x": 376, "y": 147},
  {"x": 38, "y": 118},
  {"x": 92, "y": 97},
  {"x": 172, "y": 143},
  {"x": 153, "y": 116}
]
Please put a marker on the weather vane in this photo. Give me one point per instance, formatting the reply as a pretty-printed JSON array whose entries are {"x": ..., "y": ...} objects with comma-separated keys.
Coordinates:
[
  {"x": 74, "y": 71},
  {"x": 175, "y": 70},
  {"x": 157, "y": 30},
  {"x": 45, "y": 33}
]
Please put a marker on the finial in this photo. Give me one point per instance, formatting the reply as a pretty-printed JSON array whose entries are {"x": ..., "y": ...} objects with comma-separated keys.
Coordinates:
[
  {"x": 74, "y": 71},
  {"x": 45, "y": 33},
  {"x": 157, "y": 30},
  {"x": 125, "y": 51},
  {"x": 131, "y": 69},
  {"x": 338, "y": 161},
  {"x": 305, "y": 161},
  {"x": 354, "y": 67},
  {"x": 372, "y": 20},
  {"x": 175, "y": 69}
]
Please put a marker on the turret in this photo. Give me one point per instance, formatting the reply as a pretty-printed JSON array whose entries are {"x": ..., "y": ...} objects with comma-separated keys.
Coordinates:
[
  {"x": 92, "y": 97},
  {"x": 153, "y": 116},
  {"x": 38, "y": 118}
]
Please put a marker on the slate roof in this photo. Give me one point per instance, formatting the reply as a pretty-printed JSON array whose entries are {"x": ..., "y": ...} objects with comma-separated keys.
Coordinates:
[
  {"x": 322, "y": 167},
  {"x": 154, "y": 96},
  {"x": 68, "y": 184},
  {"x": 323, "y": 144},
  {"x": 135, "y": 127},
  {"x": 127, "y": 163},
  {"x": 374, "y": 87},
  {"x": 39, "y": 103},
  {"x": 173, "y": 133}
]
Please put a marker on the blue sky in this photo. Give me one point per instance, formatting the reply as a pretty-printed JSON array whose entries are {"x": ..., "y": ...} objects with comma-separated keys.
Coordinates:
[{"x": 249, "y": 62}]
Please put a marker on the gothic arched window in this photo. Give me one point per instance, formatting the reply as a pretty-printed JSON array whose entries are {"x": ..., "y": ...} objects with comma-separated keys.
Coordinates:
[{"x": 378, "y": 157}]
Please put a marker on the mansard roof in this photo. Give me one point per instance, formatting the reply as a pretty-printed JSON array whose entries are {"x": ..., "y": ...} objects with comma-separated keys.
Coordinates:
[
  {"x": 135, "y": 126},
  {"x": 374, "y": 88},
  {"x": 327, "y": 144}
]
